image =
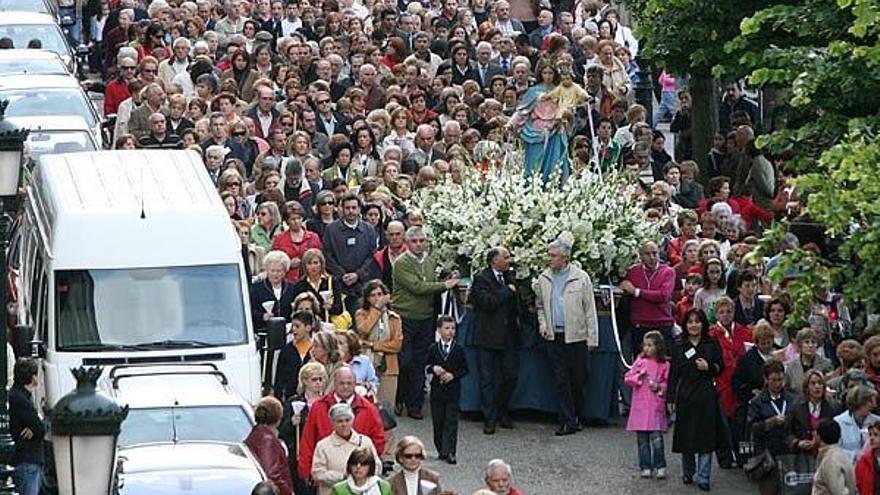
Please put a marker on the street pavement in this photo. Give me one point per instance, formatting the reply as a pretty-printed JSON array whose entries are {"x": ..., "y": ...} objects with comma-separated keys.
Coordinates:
[{"x": 594, "y": 461}]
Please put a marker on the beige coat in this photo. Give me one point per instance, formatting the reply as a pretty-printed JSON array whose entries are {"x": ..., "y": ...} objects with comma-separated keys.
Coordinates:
[
  {"x": 331, "y": 456},
  {"x": 834, "y": 474},
  {"x": 579, "y": 305},
  {"x": 365, "y": 320}
]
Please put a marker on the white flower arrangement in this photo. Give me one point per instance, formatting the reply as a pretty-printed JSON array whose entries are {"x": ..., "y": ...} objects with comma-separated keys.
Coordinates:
[{"x": 599, "y": 215}]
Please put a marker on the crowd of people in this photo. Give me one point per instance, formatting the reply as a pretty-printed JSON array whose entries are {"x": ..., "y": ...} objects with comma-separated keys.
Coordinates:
[{"x": 318, "y": 120}]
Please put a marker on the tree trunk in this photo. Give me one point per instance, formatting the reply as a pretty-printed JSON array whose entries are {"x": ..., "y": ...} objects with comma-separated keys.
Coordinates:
[{"x": 705, "y": 118}]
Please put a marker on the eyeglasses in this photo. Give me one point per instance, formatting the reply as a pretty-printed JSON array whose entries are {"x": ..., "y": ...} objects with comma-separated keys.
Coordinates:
[
  {"x": 128, "y": 67},
  {"x": 413, "y": 456},
  {"x": 233, "y": 184}
]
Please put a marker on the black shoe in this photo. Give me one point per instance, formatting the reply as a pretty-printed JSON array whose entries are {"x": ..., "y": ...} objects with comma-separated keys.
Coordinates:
[
  {"x": 505, "y": 422},
  {"x": 415, "y": 415},
  {"x": 398, "y": 409},
  {"x": 566, "y": 430},
  {"x": 489, "y": 428},
  {"x": 451, "y": 459},
  {"x": 704, "y": 487},
  {"x": 442, "y": 457},
  {"x": 687, "y": 480}
]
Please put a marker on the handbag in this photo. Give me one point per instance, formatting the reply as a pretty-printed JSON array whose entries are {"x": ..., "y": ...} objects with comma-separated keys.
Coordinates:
[
  {"x": 389, "y": 421},
  {"x": 343, "y": 320},
  {"x": 759, "y": 466}
]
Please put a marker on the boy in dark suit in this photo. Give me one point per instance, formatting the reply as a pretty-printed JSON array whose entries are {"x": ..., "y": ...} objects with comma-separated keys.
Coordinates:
[{"x": 447, "y": 364}]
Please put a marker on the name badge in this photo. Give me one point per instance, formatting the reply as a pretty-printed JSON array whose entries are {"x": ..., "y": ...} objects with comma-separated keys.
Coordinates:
[
  {"x": 351, "y": 241},
  {"x": 690, "y": 353}
]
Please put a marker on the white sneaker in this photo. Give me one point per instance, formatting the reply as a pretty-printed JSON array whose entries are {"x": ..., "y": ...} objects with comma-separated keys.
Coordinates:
[
  {"x": 646, "y": 473},
  {"x": 660, "y": 474}
]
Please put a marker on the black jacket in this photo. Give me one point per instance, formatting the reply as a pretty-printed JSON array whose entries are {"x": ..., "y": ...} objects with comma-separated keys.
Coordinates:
[
  {"x": 698, "y": 413},
  {"x": 496, "y": 323},
  {"x": 350, "y": 251},
  {"x": 23, "y": 414},
  {"x": 761, "y": 409},
  {"x": 455, "y": 363},
  {"x": 797, "y": 421},
  {"x": 261, "y": 291},
  {"x": 749, "y": 375},
  {"x": 287, "y": 372}
]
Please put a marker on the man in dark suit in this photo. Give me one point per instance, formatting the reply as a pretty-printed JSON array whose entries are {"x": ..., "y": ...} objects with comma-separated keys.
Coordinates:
[
  {"x": 486, "y": 70},
  {"x": 26, "y": 428},
  {"x": 496, "y": 336},
  {"x": 447, "y": 364},
  {"x": 329, "y": 122}
]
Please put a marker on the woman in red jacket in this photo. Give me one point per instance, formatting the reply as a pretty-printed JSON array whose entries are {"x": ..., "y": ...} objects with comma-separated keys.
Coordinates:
[
  {"x": 867, "y": 464},
  {"x": 266, "y": 447},
  {"x": 296, "y": 240}
]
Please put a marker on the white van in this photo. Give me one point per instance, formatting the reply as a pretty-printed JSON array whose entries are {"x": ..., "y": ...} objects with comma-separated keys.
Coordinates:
[{"x": 128, "y": 257}]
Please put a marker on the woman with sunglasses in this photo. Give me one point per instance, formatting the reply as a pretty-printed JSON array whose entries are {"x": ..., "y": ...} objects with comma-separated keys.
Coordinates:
[
  {"x": 231, "y": 182},
  {"x": 410, "y": 454},
  {"x": 325, "y": 212}
]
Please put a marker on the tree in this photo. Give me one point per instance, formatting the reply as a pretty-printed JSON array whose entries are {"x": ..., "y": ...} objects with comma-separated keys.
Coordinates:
[
  {"x": 689, "y": 36},
  {"x": 826, "y": 57}
]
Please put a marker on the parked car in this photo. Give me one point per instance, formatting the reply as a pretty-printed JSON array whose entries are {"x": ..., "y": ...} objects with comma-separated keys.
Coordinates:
[
  {"x": 52, "y": 135},
  {"x": 31, "y": 62},
  {"x": 49, "y": 96},
  {"x": 187, "y": 468},
  {"x": 37, "y": 6},
  {"x": 178, "y": 403},
  {"x": 22, "y": 27}
]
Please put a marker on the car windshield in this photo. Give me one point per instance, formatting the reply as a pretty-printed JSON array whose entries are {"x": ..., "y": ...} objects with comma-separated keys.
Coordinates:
[
  {"x": 167, "y": 424},
  {"x": 48, "y": 103},
  {"x": 33, "y": 67},
  {"x": 149, "y": 308},
  {"x": 50, "y": 36},
  {"x": 24, "y": 6},
  {"x": 42, "y": 142}
]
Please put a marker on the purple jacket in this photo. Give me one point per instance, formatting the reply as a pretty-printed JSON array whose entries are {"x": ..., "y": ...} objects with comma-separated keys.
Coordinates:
[
  {"x": 648, "y": 410},
  {"x": 653, "y": 306}
]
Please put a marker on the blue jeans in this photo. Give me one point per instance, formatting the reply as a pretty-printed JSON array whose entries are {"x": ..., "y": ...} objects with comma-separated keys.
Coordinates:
[
  {"x": 27, "y": 478},
  {"x": 667, "y": 108},
  {"x": 701, "y": 470},
  {"x": 651, "y": 452}
]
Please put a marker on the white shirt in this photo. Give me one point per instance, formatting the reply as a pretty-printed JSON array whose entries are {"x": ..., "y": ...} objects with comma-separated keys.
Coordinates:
[
  {"x": 265, "y": 122},
  {"x": 288, "y": 27},
  {"x": 412, "y": 482}
]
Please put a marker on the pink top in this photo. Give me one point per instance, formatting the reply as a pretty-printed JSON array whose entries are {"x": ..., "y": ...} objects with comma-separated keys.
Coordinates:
[
  {"x": 648, "y": 409},
  {"x": 667, "y": 82},
  {"x": 652, "y": 308}
]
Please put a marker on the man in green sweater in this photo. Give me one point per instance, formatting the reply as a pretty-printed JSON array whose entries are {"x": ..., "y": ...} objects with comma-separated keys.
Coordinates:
[{"x": 415, "y": 285}]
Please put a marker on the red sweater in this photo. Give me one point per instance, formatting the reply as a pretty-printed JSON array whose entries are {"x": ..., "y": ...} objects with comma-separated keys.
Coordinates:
[
  {"x": 284, "y": 242},
  {"x": 115, "y": 93},
  {"x": 732, "y": 349},
  {"x": 653, "y": 306},
  {"x": 865, "y": 473},
  {"x": 318, "y": 426}
]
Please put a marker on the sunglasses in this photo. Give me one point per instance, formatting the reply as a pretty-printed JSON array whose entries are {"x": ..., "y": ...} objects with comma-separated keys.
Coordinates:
[
  {"x": 326, "y": 203},
  {"x": 413, "y": 456},
  {"x": 239, "y": 134},
  {"x": 128, "y": 67},
  {"x": 233, "y": 184}
]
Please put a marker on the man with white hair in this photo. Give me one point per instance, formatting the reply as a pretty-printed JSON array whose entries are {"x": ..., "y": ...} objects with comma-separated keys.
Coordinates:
[
  {"x": 425, "y": 153},
  {"x": 233, "y": 23},
  {"x": 499, "y": 478},
  {"x": 568, "y": 323},
  {"x": 504, "y": 23},
  {"x": 485, "y": 68},
  {"x": 176, "y": 64}
]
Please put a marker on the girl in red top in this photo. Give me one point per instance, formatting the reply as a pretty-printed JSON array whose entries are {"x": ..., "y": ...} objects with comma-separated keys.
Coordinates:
[{"x": 296, "y": 240}]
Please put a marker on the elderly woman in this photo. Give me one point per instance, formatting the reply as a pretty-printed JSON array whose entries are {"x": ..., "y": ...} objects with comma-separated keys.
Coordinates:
[
  {"x": 267, "y": 448},
  {"x": 268, "y": 225},
  {"x": 272, "y": 296},
  {"x": 614, "y": 74},
  {"x": 806, "y": 359},
  {"x": 857, "y": 417},
  {"x": 413, "y": 477},
  {"x": 362, "y": 478},
  {"x": 805, "y": 415},
  {"x": 766, "y": 419},
  {"x": 381, "y": 332},
  {"x": 330, "y": 460},
  {"x": 296, "y": 240},
  {"x": 350, "y": 353}
]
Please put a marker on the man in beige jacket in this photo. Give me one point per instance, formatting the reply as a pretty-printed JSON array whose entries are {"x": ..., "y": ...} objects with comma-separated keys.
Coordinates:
[
  {"x": 567, "y": 322},
  {"x": 834, "y": 474}
]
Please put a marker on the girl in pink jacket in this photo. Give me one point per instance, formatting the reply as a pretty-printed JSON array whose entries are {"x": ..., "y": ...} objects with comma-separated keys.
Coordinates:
[{"x": 648, "y": 378}]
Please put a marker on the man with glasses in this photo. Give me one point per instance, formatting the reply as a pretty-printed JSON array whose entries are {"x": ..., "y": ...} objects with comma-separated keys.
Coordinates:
[
  {"x": 329, "y": 122},
  {"x": 118, "y": 89},
  {"x": 159, "y": 137}
]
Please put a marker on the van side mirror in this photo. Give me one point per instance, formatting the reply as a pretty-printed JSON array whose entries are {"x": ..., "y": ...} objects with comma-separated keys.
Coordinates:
[
  {"x": 277, "y": 330},
  {"x": 21, "y": 340}
]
